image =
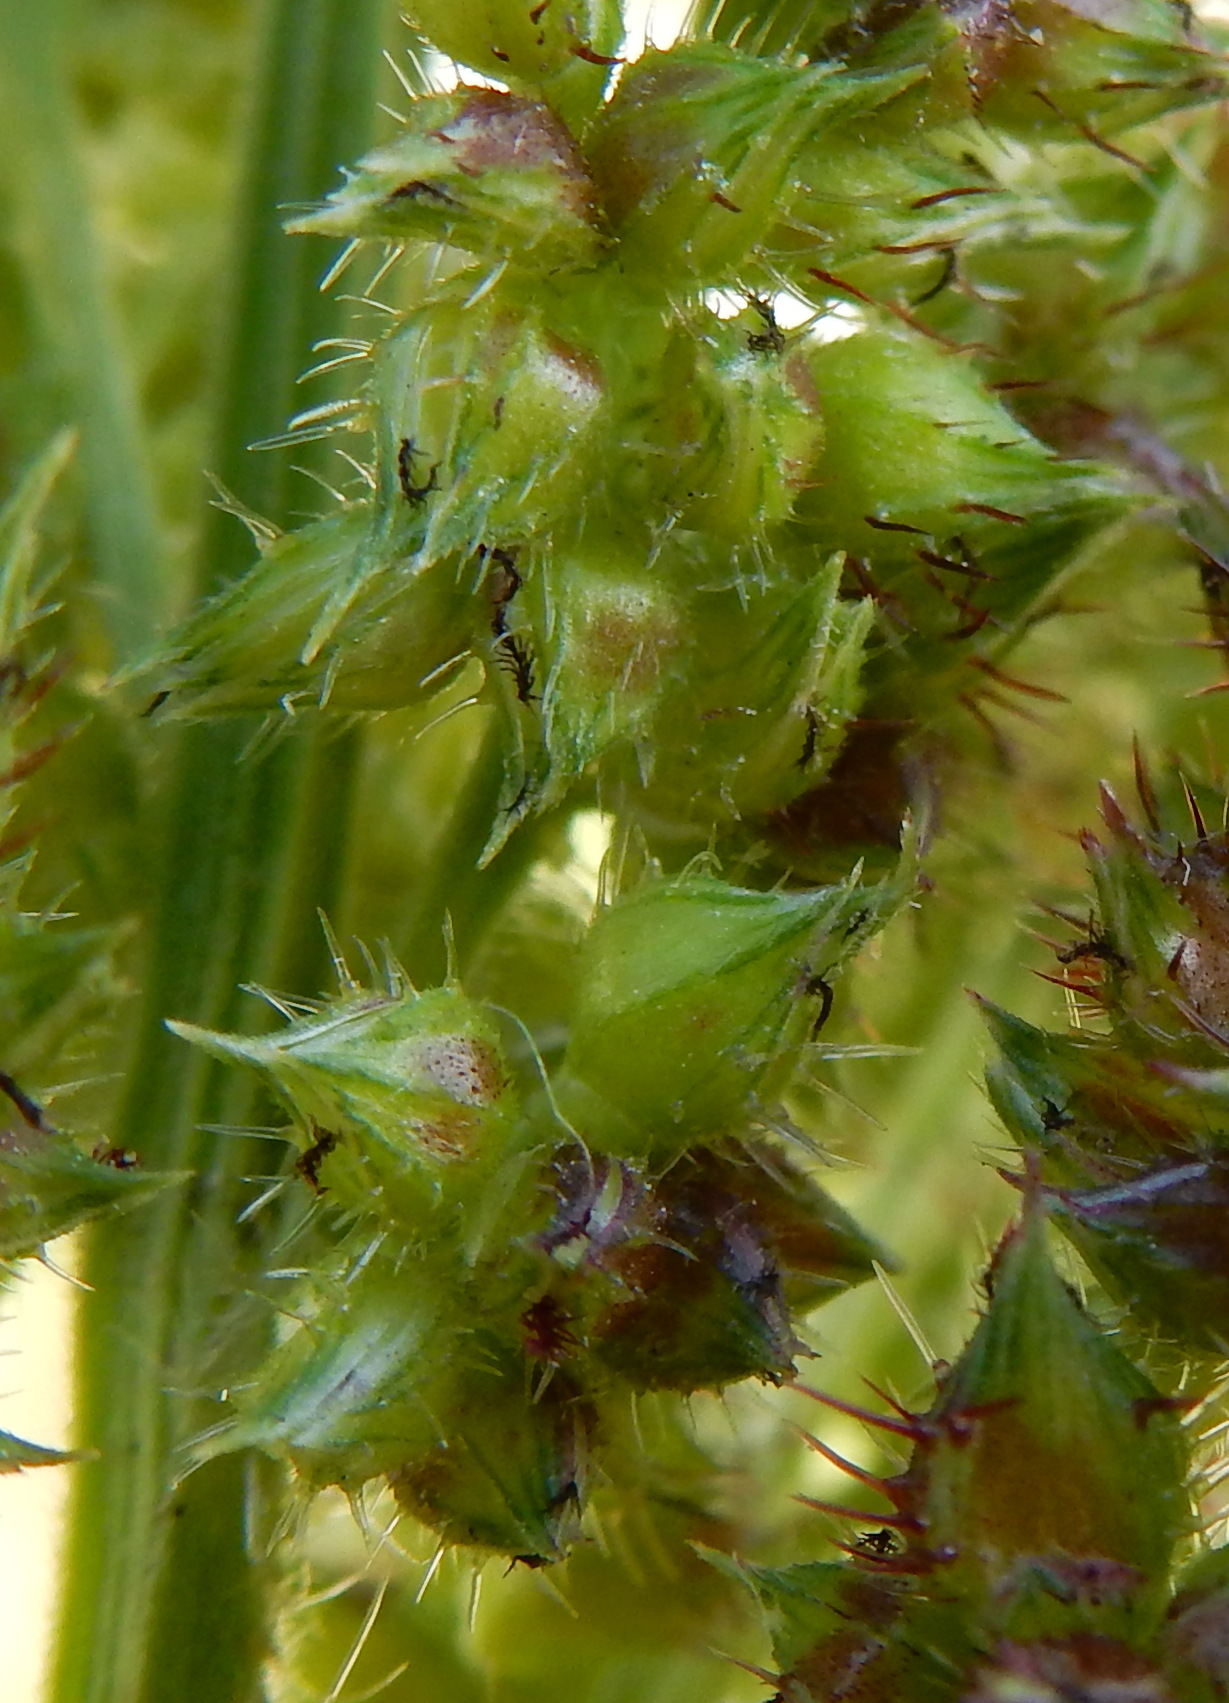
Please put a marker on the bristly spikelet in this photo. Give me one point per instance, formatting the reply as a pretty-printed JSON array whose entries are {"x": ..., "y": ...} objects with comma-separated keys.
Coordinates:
[
  {"x": 403, "y": 1104},
  {"x": 695, "y": 1279},
  {"x": 1128, "y": 1127},
  {"x": 395, "y": 1374},
  {"x": 777, "y": 704},
  {"x": 1045, "y": 1446},
  {"x": 695, "y": 1000},
  {"x": 1031, "y": 1533},
  {"x": 50, "y": 1185},
  {"x": 276, "y": 640},
  {"x": 694, "y": 152},
  {"x": 483, "y": 417},
  {"x": 480, "y": 169}
]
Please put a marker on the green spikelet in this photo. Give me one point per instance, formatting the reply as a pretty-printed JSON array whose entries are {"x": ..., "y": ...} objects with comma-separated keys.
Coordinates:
[
  {"x": 837, "y": 1631},
  {"x": 695, "y": 1001},
  {"x": 377, "y": 1383},
  {"x": 275, "y": 639},
  {"x": 1133, "y": 1180},
  {"x": 402, "y": 1103},
  {"x": 497, "y": 406},
  {"x": 480, "y": 169},
  {"x": 694, "y": 151},
  {"x": 740, "y": 583},
  {"x": 49, "y": 1185},
  {"x": 914, "y": 440},
  {"x": 1032, "y": 1532},
  {"x": 1045, "y": 1442},
  {"x": 593, "y": 641}
]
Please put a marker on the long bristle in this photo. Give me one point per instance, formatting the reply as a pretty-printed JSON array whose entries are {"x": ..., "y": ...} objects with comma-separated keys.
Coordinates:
[{"x": 908, "y": 1426}]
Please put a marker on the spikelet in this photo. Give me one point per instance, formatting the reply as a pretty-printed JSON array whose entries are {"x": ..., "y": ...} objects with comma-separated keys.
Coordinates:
[
  {"x": 403, "y": 1104},
  {"x": 695, "y": 999},
  {"x": 1031, "y": 1534},
  {"x": 481, "y": 169}
]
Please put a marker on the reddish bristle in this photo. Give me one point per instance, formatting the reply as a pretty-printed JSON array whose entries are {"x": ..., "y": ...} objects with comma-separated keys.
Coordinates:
[
  {"x": 869, "y": 1479},
  {"x": 1193, "y": 806},
  {"x": 907, "y": 1426},
  {"x": 1143, "y": 786},
  {"x": 1018, "y": 685},
  {"x": 896, "y": 1522}
]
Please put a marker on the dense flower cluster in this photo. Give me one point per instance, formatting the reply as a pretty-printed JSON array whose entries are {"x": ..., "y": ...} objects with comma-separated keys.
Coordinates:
[
  {"x": 732, "y": 414},
  {"x": 518, "y": 1253}
]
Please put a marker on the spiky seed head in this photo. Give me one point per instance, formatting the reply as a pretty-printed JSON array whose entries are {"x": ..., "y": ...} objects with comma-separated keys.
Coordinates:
[
  {"x": 766, "y": 426},
  {"x": 480, "y": 169},
  {"x": 761, "y": 703},
  {"x": 412, "y": 1091},
  {"x": 507, "y": 1468},
  {"x": 702, "y": 1281},
  {"x": 690, "y": 1279},
  {"x": 1111, "y": 64},
  {"x": 1160, "y": 1244},
  {"x": 917, "y": 452},
  {"x": 342, "y": 1398},
  {"x": 1094, "y": 1110},
  {"x": 1128, "y": 1171},
  {"x": 695, "y": 1300},
  {"x": 605, "y": 637},
  {"x": 396, "y": 1372}
]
